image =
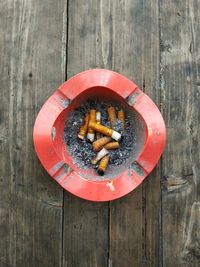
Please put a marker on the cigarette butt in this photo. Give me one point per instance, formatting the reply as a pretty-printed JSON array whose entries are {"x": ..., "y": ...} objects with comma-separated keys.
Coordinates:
[
  {"x": 98, "y": 117},
  {"x": 99, "y": 156},
  {"x": 112, "y": 117},
  {"x": 103, "y": 165},
  {"x": 105, "y": 130},
  {"x": 98, "y": 121},
  {"x": 84, "y": 127},
  {"x": 98, "y": 144},
  {"x": 121, "y": 117},
  {"x": 90, "y": 134},
  {"x": 112, "y": 145}
]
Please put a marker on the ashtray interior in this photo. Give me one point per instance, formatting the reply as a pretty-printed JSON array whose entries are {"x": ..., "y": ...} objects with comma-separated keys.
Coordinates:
[{"x": 78, "y": 153}]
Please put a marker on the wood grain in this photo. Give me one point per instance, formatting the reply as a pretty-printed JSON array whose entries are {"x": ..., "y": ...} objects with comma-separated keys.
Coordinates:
[
  {"x": 31, "y": 44},
  {"x": 85, "y": 233},
  {"x": 134, "y": 219},
  {"x": 157, "y": 45},
  {"x": 181, "y": 162},
  {"x": 110, "y": 35}
]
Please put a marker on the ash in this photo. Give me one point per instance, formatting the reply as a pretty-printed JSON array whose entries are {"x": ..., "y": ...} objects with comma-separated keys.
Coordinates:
[{"x": 81, "y": 150}]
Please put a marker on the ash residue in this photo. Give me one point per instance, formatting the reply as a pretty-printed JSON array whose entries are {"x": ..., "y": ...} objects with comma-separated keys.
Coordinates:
[{"x": 81, "y": 150}]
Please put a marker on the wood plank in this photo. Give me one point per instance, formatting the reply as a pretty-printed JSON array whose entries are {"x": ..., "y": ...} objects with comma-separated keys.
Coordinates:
[
  {"x": 123, "y": 36},
  {"x": 181, "y": 163},
  {"x": 32, "y": 44},
  {"x": 85, "y": 223},
  {"x": 135, "y": 219},
  {"x": 85, "y": 232}
]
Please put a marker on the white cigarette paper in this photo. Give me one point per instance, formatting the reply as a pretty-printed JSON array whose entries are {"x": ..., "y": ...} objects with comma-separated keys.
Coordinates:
[
  {"x": 100, "y": 155},
  {"x": 90, "y": 136},
  {"x": 116, "y": 136},
  {"x": 98, "y": 116}
]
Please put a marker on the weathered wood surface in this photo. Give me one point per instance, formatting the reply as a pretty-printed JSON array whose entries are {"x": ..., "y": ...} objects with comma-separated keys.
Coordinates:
[
  {"x": 180, "y": 50},
  {"x": 134, "y": 219},
  {"x": 156, "y": 44},
  {"x": 32, "y": 41},
  {"x": 107, "y": 34},
  {"x": 85, "y": 223}
]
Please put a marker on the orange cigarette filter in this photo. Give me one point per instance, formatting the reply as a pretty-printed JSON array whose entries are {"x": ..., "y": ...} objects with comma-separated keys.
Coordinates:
[
  {"x": 112, "y": 117},
  {"x": 112, "y": 145},
  {"x": 84, "y": 127},
  {"x": 121, "y": 117},
  {"x": 103, "y": 165},
  {"x": 91, "y": 134},
  {"x": 98, "y": 144},
  {"x": 105, "y": 130},
  {"x": 98, "y": 121}
]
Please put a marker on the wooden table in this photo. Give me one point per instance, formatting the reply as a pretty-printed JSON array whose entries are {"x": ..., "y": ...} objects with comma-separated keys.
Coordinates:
[{"x": 157, "y": 45}]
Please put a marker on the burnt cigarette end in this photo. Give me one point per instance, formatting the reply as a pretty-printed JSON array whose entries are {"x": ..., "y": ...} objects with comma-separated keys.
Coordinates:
[
  {"x": 122, "y": 137},
  {"x": 103, "y": 165},
  {"x": 100, "y": 172}
]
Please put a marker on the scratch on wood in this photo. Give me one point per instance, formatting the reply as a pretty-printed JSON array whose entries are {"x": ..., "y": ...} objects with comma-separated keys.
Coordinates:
[
  {"x": 173, "y": 183},
  {"x": 191, "y": 47},
  {"x": 106, "y": 33},
  {"x": 52, "y": 204}
]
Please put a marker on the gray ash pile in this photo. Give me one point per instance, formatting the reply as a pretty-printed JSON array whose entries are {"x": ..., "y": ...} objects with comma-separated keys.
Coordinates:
[{"x": 82, "y": 150}]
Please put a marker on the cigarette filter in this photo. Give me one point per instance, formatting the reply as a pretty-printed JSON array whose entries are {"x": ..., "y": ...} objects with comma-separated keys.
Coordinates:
[
  {"x": 112, "y": 117},
  {"x": 98, "y": 144},
  {"x": 90, "y": 134},
  {"x": 84, "y": 127},
  {"x": 121, "y": 117},
  {"x": 112, "y": 145},
  {"x": 98, "y": 121},
  {"x": 100, "y": 155},
  {"x": 104, "y": 130},
  {"x": 103, "y": 165}
]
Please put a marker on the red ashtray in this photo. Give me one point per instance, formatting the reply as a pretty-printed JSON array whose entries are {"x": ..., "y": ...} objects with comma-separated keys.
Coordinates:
[{"x": 55, "y": 157}]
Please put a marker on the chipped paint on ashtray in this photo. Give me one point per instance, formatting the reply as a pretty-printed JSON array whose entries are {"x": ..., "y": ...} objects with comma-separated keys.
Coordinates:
[
  {"x": 53, "y": 133},
  {"x": 110, "y": 185},
  {"x": 150, "y": 130}
]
